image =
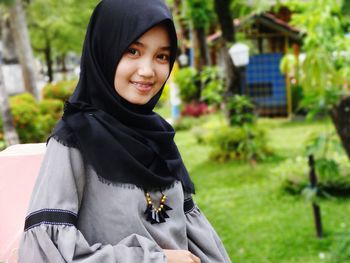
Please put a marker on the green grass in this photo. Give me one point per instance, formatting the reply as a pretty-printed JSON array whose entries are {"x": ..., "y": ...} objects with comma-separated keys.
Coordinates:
[{"x": 257, "y": 222}]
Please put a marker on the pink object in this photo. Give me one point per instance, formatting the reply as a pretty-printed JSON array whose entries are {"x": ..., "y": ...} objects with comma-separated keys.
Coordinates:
[{"x": 19, "y": 167}]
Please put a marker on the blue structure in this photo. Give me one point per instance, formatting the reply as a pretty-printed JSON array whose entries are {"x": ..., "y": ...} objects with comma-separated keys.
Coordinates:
[{"x": 265, "y": 84}]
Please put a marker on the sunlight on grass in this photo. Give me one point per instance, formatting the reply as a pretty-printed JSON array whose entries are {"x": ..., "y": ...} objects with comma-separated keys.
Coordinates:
[{"x": 257, "y": 221}]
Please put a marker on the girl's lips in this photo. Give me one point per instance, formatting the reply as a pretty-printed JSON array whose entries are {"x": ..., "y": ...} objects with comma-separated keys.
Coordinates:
[{"x": 142, "y": 86}]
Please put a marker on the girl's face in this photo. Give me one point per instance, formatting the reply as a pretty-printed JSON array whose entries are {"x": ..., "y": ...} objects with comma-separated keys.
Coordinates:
[{"x": 144, "y": 67}]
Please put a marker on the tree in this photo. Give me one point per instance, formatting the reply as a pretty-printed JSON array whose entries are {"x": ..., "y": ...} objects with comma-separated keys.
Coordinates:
[
  {"x": 224, "y": 14},
  {"x": 57, "y": 27},
  {"x": 200, "y": 13},
  {"x": 20, "y": 32},
  {"x": 224, "y": 10},
  {"x": 326, "y": 69},
  {"x": 10, "y": 133}
]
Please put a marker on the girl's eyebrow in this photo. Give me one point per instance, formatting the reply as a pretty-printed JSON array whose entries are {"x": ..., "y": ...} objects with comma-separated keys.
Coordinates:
[{"x": 138, "y": 43}]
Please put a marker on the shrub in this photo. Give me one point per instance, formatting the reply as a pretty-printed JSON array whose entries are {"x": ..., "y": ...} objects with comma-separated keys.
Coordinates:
[
  {"x": 164, "y": 98},
  {"x": 213, "y": 85},
  {"x": 195, "y": 109},
  {"x": 51, "y": 111},
  {"x": 61, "y": 90},
  {"x": 33, "y": 121},
  {"x": 247, "y": 143},
  {"x": 25, "y": 111},
  {"x": 189, "y": 84},
  {"x": 52, "y": 107},
  {"x": 241, "y": 110},
  {"x": 187, "y": 123},
  {"x": 294, "y": 174}
]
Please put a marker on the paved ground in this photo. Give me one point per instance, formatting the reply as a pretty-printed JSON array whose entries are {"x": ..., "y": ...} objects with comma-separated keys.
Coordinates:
[{"x": 19, "y": 166}]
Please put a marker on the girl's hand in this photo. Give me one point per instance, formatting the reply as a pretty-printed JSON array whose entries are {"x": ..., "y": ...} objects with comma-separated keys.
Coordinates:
[{"x": 180, "y": 256}]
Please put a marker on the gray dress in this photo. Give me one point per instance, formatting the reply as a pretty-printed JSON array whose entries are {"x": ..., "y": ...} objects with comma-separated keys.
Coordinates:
[{"x": 111, "y": 225}]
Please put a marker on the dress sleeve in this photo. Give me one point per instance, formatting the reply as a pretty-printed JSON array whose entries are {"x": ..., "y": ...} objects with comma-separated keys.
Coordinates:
[
  {"x": 50, "y": 231},
  {"x": 203, "y": 241}
]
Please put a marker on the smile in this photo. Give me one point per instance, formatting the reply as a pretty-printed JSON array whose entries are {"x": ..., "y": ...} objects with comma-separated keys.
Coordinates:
[{"x": 142, "y": 86}]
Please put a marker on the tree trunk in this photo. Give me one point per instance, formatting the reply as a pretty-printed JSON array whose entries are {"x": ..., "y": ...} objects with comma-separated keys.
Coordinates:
[
  {"x": 233, "y": 76},
  {"x": 202, "y": 52},
  {"x": 181, "y": 26},
  {"x": 64, "y": 68},
  {"x": 48, "y": 59},
  {"x": 222, "y": 9},
  {"x": 341, "y": 118},
  {"x": 10, "y": 133},
  {"x": 23, "y": 46},
  {"x": 9, "y": 55}
]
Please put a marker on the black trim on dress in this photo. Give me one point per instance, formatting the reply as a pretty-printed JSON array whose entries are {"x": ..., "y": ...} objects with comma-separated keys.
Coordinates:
[{"x": 50, "y": 216}]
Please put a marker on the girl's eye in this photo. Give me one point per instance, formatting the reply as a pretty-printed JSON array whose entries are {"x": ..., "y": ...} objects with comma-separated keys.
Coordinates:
[
  {"x": 133, "y": 51},
  {"x": 163, "y": 57}
]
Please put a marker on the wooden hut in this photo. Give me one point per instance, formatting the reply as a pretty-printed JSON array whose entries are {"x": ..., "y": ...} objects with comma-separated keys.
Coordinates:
[{"x": 271, "y": 37}]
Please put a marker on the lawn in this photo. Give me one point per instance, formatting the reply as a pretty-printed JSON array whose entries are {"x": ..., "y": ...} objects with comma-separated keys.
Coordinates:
[{"x": 258, "y": 222}]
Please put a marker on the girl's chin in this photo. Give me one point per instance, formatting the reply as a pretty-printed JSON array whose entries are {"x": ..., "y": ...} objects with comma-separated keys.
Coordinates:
[{"x": 139, "y": 101}]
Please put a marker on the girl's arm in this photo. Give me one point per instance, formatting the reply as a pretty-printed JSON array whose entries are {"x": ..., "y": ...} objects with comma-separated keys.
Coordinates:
[{"x": 51, "y": 234}]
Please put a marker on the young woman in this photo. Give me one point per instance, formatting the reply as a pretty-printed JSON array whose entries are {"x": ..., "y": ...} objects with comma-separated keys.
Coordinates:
[{"x": 112, "y": 186}]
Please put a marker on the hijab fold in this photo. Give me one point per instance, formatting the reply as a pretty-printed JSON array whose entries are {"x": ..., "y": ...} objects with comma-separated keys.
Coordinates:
[{"x": 123, "y": 142}]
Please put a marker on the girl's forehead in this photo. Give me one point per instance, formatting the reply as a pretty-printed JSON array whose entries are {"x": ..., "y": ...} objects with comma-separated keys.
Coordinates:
[{"x": 159, "y": 33}]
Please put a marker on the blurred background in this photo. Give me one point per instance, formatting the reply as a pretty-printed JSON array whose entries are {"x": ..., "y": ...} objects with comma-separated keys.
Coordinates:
[{"x": 260, "y": 100}]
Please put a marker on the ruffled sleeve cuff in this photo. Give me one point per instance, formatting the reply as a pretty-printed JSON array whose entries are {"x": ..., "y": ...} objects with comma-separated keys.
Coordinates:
[{"x": 203, "y": 241}]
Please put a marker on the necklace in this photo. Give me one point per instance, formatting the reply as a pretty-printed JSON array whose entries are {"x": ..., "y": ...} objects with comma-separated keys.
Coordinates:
[{"x": 156, "y": 215}]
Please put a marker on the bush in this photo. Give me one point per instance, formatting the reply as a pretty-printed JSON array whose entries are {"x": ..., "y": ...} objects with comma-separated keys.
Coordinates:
[
  {"x": 164, "y": 98},
  {"x": 189, "y": 84},
  {"x": 294, "y": 174},
  {"x": 25, "y": 111},
  {"x": 51, "y": 111},
  {"x": 33, "y": 121},
  {"x": 61, "y": 90},
  {"x": 241, "y": 110},
  {"x": 52, "y": 107},
  {"x": 195, "y": 109},
  {"x": 247, "y": 143},
  {"x": 187, "y": 123},
  {"x": 213, "y": 85}
]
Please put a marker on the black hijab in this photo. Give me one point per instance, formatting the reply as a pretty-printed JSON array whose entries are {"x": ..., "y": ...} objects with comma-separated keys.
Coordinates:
[{"x": 123, "y": 142}]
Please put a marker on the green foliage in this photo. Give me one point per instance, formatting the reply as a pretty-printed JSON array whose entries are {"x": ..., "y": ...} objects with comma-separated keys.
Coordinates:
[
  {"x": 320, "y": 103},
  {"x": 200, "y": 12},
  {"x": 327, "y": 49},
  {"x": 241, "y": 8},
  {"x": 188, "y": 82},
  {"x": 213, "y": 85},
  {"x": 59, "y": 23},
  {"x": 25, "y": 111},
  {"x": 33, "y": 121},
  {"x": 241, "y": 109},
  {"x": 187, "y": 123},
  {"x": 164, "y": 98},
  {"x": 331, "y": 166},
  {"x": 6, "y": 2},
  {"x": 245, "y": 143},
  {"x": 61, "y": 90}
]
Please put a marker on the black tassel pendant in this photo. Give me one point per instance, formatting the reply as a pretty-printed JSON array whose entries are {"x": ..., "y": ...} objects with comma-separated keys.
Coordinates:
[{"x": 156, "y": 215}]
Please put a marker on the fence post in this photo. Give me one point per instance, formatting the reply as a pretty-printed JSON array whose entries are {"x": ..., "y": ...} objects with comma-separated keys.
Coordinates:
[{"x": 316, "y": 208}]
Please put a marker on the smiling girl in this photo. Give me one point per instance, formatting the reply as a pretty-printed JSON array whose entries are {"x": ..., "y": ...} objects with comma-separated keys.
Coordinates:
[{"x": 112, "y": 186}]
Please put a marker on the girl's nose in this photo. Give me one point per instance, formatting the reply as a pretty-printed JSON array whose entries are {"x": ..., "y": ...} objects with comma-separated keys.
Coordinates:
[{"x": 146, "y": 70}]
